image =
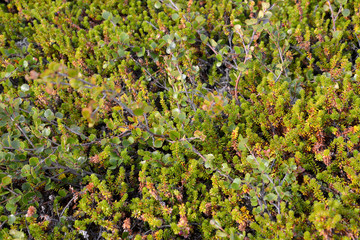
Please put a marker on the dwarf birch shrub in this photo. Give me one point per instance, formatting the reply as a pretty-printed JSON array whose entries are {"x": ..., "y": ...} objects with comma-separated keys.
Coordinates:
[{"x": 179, "y": 119}]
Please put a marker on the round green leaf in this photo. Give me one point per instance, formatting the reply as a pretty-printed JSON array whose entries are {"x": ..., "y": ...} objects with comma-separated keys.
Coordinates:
[
  {"x": 17, "y": 234},
  {"x": 157, "y": 5},
  {"x": 124, "y": 37},
  {"x": 121, "y": 53},
  {"x": 6, "y": 180},
  {"x": 25, "y": 87},
  {"x": 199, "y": 19},
  {"x": 139, "y": 112},
  {"x": 174, "y": 16},
  {"x": 28, "y": 197},
  {"x": 11, "y": 219},
  {"x": 131, "y": 140},
  {"x": 251, "y": 21},
  {"x": 174, "y": 135},
  {"x": 346, "y": 12},
  {"x": 145, "y": 135},
  {"x": 46, "y": 132},
  {"x": 115, "y": 140},
  {"x": 222, "y": 234},
  {"x": 158, "y": 143},
  {"x": 62, "y": 192},
  {"x": 49, "y": 114},
  {"x": 15, "y": 144},
  {"x": 236, "y": 184},
  {"x": 33, "y": 161},
  {"x": 270, "y": 197},
  {"x": 126, "y": 143},
  {"x": 73, "y": 73},
  {"x": 26, "y": 186},
  {"x": 148, "y": 108},
  {"x": 25, "y": 171},
  {"x": 59, "y": 115},
  {"x": 106, "y": 15},
  {"x": 86, "y": 112},
  {"x": 10, "y": 68},
  {"x": 11, "y": 207},
  {"x": 213, "y": 42},
  {"x": 237, "y": 50}
]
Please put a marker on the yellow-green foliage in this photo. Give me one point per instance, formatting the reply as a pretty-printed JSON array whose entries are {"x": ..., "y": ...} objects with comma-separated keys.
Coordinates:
[{"x": 179, "y": 119}]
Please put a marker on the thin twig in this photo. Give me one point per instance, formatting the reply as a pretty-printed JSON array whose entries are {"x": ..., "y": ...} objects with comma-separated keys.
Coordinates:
[
  {"x": 68, "y": 204},
  {"x": 268, "y": 177},
  {"x": 152, "y": 25},
  {"x": 5, "y": 78},
  {"x": 333, "y": 16},
  {"x": 247, "y": 48},
  {"x": 24, "y": 133},
  {"x": 205, "y": 160},
  {"x": 79, "y": 79}
]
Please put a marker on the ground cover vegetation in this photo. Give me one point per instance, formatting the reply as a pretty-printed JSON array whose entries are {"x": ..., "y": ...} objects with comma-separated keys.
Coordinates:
[{"x": 176, "y": 119}]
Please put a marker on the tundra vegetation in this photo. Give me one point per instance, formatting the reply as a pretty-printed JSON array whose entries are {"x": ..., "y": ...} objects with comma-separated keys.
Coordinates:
[{"x": 175, "y": 119}]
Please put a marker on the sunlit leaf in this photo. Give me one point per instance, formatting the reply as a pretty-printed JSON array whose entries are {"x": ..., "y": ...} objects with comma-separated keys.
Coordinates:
[
  {"x": 33, "y": 161},
  {"x": 25, "y": 87},
  {"x": 251, "y": 21},
  {"x": 139, "y": 111},
  {"x": 107, "y": 15},
  {"x": 174, "y": 135},
  {"x": 175, "y": 16},
  {"x": 158, "y": 143},
  {"x": 157, "y": 4},
  {"x": 15, "y": 144},
  {"x": 49, "y": 114},
  {"x": 346, "y": 12},
  {"x": 6, "y": 180}
]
